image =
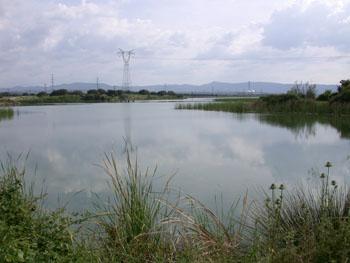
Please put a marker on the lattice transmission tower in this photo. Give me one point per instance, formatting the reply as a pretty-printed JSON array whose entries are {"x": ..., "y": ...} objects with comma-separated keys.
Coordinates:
[{"x": 126, "y": 85}]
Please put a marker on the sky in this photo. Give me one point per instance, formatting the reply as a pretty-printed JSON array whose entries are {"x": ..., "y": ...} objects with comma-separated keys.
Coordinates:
[{"x": 175, "y": 42}]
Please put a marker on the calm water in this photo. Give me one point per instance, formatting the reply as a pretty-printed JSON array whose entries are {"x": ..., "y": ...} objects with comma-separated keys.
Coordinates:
[{"x": 211, "y": 152}]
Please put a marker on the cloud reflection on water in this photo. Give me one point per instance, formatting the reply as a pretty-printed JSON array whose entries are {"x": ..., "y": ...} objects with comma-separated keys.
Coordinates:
[{"x": 211, "y": 152}]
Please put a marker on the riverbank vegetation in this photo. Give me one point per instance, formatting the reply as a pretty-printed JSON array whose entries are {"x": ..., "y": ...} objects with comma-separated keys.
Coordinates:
[
  {"x": 93, "y": 95},
  {"x": 300, "y": 99},
  {"x": 139, "y": 224}
]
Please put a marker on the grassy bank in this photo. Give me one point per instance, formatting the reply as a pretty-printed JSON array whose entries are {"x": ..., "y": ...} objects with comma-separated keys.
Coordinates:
[
  {"x": 137, "y": 224},
  {"x": 92, "y": 96},
  {"x": 262, "y": 105},
  {"x": 299, "y": 99},
  {"x": 6, "y": 113},
  {"x": 35, "y": 100}
]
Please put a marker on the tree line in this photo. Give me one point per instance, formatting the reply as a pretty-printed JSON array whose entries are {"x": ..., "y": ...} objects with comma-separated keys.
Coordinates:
[{"x": 92, "y": 94}]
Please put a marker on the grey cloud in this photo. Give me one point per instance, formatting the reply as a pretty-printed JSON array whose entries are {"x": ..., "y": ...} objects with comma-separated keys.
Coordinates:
[{"x": 315, "y": 26}]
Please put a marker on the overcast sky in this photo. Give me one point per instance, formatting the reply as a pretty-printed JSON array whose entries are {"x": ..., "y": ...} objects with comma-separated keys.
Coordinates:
[{"x": 175, "y": 41}]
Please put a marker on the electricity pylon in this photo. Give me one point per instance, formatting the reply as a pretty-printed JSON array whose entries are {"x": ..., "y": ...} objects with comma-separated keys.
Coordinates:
[{"x": 126, "y": 71}]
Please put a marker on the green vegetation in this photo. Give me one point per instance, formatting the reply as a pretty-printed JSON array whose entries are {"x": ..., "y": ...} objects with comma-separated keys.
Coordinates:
[
  {"x": 138, "y": 224},
  {"x": 77, "y": 96},
  {"x": 27, "y": 232},
  {"x": 6, "y": 113},
  {"x": 300, "y": 99}
]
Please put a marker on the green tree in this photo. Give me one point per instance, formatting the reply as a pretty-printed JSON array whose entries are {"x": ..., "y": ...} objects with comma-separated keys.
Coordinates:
[
  {"x": 144, "y": 92},
  {"x": 42, "y": 94},
  {"x": 77, "y": 92},
  {"x": 101, "y": 91},
  {"x": 59, "y": 92},
  {"x": 161, "y": 93}
]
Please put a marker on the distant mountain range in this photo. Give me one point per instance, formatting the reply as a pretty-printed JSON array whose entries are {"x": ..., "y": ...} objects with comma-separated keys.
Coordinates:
[{"x": 213, "y": 87}]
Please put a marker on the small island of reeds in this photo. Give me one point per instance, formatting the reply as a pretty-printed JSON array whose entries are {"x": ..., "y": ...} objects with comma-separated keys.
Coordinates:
[{"x": 6, "y": 113}]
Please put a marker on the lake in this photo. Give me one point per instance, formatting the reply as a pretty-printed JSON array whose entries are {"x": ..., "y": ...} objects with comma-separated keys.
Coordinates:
[{"x": 212, "y": 153}]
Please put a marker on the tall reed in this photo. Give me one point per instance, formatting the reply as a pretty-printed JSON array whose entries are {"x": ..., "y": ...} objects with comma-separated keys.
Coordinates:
[{"x": 129, "y": 227}]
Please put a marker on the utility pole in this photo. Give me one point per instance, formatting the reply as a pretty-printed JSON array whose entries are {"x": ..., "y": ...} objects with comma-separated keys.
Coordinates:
[
  {"x": 45, "y": 87},
  {"x": 97, "y": 84},
  {"x": 52, "y": 82}
]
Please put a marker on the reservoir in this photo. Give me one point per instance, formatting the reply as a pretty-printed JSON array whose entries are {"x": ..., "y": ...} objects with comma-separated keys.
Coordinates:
[{"x": 212, "y": 153}]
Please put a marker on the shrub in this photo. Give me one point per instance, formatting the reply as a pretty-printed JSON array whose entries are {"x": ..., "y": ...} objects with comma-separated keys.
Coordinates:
[
  {"x": 345, "y": 86},
  {"x": 343, "y": 97},
  {"x": 281, "y": 98},
  {"x": 325, "y": 96}
]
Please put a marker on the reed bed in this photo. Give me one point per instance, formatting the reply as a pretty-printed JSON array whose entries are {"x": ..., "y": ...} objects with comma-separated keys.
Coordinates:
[
  {"x": 263, "y": 105},
  {"x": 6, "y": 113}
]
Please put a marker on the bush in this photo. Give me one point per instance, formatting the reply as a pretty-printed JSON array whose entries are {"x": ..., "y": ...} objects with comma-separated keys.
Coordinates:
[
  {"x": 343, "y": 97},
  {"x": 282, "y": 98},
  {"x": 303, "y": 90},
  {"x": 345, "y": 86},
  {"x": 325, "y": 96}
]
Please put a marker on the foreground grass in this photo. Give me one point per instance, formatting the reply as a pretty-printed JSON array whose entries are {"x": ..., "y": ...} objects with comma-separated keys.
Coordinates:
[
  {"x": 137, "y": 224},
  {"x": 27, "y": 232},
  {"x": 272, "y": 104}
]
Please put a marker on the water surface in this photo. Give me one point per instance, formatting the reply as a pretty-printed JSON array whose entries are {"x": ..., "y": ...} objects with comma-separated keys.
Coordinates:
[{"x": 211, "y": 152}]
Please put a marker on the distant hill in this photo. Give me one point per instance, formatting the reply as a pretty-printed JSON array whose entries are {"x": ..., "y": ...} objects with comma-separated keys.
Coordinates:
[{"x": 213, "y": 87}]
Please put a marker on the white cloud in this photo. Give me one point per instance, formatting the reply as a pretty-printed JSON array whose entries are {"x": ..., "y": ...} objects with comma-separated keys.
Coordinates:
[
  {"x": 82, "y": 37},
  {"x": 319, "y": 25}
]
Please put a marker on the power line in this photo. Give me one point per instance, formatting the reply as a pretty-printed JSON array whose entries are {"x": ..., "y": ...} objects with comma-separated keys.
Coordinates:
[{"x": 245, "y": 58}]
